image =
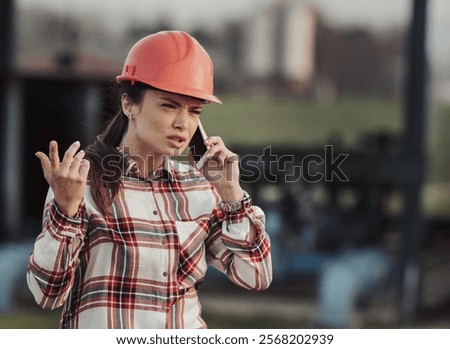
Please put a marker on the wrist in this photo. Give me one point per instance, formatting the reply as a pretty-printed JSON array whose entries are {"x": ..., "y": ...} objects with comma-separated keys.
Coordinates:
[
  {"x": 70, "y": 210},
  {"x": 240, "y": 205},
  {"x": 230, "y": 194}
]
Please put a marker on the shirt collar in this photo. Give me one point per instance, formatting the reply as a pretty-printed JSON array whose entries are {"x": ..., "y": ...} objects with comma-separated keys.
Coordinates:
[{"x": 131, "y": 169}]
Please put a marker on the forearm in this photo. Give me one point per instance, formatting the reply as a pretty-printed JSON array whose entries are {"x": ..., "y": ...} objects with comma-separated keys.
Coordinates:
[
  {"x": 54, "y": 259},
  {"x": 240, "y": 247},
  {"x": 231, "y": 192}
]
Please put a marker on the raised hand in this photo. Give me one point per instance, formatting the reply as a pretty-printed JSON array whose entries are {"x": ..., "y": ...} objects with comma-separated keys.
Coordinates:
[
  {"x": 220, "y": 166},
  {"x": 67, "y": 178}
]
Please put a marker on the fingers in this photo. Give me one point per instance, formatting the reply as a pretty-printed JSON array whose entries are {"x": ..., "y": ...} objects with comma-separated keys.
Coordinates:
[
  {"x": 69, "y": 156},
  {"x": 75, "y": 166},
  {"x": 232, "y": 158},
  {"x": 84, "y": 168},
  {"x": 72, "y": 164},
  {"x": 45, "y": 163},
  {"x": 218, "y": 152},
  {"x": 214, "y": 140},
  {"x": 202, "y": 161},
  {"x": 54, "y": 155},
  {"x": 80, "y": 166}
]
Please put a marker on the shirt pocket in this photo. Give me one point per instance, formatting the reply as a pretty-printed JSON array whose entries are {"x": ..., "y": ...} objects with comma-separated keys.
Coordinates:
[{"x": 192, "y": 260}]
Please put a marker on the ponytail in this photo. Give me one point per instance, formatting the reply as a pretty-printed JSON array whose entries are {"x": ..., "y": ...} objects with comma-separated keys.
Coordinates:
[{"x": 106, "y": 162}]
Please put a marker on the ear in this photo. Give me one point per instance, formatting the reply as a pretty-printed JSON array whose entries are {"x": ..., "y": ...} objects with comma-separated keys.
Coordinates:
[{"x": 126, "y": 104}]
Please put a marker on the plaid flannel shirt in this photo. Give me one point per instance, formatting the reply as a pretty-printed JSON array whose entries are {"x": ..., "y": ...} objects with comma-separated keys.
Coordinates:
[{"x": 141, "y": 267}]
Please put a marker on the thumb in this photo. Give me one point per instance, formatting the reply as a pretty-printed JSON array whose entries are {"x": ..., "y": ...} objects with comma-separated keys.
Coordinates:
[{"x": 45, "y": 163}]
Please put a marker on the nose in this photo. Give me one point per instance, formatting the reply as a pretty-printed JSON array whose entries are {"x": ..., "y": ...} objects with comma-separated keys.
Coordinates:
[{"x": 181, "y": 120}]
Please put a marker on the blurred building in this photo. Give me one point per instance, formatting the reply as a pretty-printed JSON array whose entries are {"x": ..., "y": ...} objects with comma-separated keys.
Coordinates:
[
  {"x": 285, "y": 47},
  {"x": 288, "y": 48},
  {"x": 279, "y": 45},
  {"x": 56, "y": 96},
  {"x": 441, "y": 89}
]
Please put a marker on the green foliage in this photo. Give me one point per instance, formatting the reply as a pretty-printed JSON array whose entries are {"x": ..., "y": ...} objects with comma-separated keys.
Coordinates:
[
  {"x": 265, "y": 121},
  {"x": 288, "y": 121},
  {"x": 228, "y": 321},
  {"x": 439, "y": 144},
  {"x": 30, "y": 318},
  {"x": 41, "y": 319}
]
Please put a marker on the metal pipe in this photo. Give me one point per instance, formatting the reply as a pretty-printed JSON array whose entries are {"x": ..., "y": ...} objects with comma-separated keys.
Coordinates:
[
  {"x": 6, "y": 77},
  {"x": 6, "y": 36},
  {"x": 414, "y": 152}
]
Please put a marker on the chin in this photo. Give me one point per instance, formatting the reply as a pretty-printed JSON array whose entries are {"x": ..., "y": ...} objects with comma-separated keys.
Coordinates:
[{"x": 178, "y": 151}]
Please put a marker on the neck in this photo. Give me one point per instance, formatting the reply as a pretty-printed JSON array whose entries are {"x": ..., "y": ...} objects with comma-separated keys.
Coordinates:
[{"x": 146, "y": 160}]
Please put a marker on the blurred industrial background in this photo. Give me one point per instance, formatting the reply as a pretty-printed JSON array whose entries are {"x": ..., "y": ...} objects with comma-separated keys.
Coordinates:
[{"x": 340, "y": 111}]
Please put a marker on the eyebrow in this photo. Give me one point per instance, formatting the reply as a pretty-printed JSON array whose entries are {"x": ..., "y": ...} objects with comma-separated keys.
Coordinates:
[{"x": 178, "y": 104}]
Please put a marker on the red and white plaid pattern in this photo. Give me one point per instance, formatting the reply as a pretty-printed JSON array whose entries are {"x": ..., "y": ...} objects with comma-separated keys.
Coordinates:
[{"x": 141, "y": 268}]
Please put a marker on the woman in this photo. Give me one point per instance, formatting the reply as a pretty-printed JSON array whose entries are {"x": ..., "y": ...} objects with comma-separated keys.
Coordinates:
[{"x": 127, "y": 231}]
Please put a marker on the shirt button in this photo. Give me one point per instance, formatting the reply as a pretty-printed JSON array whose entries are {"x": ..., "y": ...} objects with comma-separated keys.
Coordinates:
[
  {"x": 147, "y": 184},
  {"x": 163, "y": 241},
  {"x": 165, "y": 273},
  {"x": 155, "y": 212},
  {"x": 163, "y": 307}
]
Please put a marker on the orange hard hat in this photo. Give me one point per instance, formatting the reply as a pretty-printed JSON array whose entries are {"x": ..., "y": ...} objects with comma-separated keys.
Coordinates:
[{"x": 171, "y": 61}]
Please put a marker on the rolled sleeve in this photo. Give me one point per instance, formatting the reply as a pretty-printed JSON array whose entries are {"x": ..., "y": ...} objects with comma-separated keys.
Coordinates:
[
  {"x": 247, "y": 264},
  {"x": 55, "y": 255},
  {"x": 63, "y": 225}
]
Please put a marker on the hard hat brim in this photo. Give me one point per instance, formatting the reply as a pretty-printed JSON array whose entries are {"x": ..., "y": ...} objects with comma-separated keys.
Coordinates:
[{"x": 178, "y": 89}]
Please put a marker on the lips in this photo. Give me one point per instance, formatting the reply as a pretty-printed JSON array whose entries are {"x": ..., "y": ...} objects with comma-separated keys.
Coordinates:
[{"x": 177, "y": 140}]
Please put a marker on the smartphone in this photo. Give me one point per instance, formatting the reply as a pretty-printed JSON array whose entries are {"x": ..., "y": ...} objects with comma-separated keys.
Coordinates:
[{"x": 196, "y": 146}]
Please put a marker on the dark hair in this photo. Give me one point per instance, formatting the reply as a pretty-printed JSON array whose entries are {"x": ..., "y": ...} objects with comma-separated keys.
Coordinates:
[{"x": 105, "y": 176}]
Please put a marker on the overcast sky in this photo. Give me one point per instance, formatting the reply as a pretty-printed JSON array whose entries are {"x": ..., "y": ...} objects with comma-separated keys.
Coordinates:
[
  {"x": 188, "y": 12},
  {"x": 193, "y": 13}
]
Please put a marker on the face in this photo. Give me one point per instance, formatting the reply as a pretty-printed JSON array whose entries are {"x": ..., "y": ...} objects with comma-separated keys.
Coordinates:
[{"x": 163, "y": 124}]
